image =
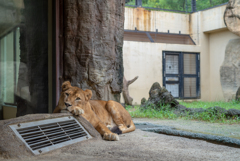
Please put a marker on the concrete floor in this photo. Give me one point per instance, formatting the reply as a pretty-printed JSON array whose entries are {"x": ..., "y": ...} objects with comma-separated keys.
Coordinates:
[
  {"x": 140, "y": 145},
  {"x": 228, "y": 130}
]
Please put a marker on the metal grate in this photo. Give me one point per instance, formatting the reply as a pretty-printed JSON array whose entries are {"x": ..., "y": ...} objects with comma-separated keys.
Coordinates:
[
  {"x": 173, "y": 89},
  {"x": 171, "y": 64},
  {"x": 144, "y": 36},
  {"x": 136, "y": 36},
  {"x": 190, "y": 87},
  {"x": 46, "y": 135},
  {"x": 190, "y": 65},
  {"x": 171, "y": 38}
]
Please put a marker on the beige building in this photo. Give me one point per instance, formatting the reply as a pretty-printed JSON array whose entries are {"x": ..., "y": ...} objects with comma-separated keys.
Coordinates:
[{"x": 183, "y": 52}]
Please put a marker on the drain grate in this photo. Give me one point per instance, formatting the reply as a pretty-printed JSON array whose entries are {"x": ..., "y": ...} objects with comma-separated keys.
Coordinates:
[{"x": 46, "y": 135}]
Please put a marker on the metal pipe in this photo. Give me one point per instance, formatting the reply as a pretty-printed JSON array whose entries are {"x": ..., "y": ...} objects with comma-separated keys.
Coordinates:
[{"x": 138, "y": 3}]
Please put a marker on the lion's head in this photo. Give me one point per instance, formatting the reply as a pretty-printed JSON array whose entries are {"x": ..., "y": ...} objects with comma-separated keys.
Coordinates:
[{"x": 74, "y": 96}]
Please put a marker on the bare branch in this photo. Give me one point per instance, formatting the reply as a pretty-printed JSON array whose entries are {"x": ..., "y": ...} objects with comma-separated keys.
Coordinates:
[{"x": 131, "y": 81}]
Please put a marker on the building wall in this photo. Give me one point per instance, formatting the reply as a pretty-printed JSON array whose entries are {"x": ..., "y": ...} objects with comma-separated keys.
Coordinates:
[
  {"x": 213, "y": 19},
  {"x": 143, "y": 59},
  {"x": 147, "y": 20}
]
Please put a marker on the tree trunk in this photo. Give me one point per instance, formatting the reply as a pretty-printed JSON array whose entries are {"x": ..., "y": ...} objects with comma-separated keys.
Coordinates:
[
  {"x": 127, "y": 99},
  {"x": 232, "y": 16},
  {"x": 93, "y": 38}
]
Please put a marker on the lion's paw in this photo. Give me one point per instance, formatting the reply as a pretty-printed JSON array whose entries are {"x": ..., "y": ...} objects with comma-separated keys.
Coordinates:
[
  {"x": 111, "y": 137},
  {"x": 76, "y": 111}
]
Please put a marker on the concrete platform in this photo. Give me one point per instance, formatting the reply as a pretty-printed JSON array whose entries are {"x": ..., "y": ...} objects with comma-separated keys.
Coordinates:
[{"x": 135, "y": 146}]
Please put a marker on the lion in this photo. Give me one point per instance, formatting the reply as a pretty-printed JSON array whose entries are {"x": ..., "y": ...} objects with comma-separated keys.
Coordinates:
[{"x": 109, "y": 118}]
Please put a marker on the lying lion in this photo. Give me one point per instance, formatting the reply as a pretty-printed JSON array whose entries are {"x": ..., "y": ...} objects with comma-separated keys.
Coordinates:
[{"x": 103, "y": 115}]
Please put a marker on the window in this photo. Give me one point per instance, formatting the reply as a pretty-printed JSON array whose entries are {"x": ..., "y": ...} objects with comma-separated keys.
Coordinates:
[
  {"x": 181, "y": 74},
  {"x": 26, "y": 57},
  {"x": 9, "y": 64}
]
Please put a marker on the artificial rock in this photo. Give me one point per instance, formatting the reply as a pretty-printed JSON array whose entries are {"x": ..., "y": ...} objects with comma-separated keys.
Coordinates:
[
  {"x": 232, "y": 16},
  {"x": 93, "y": 46}
]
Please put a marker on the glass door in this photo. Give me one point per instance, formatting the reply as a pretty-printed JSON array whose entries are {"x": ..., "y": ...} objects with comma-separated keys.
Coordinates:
[
  {"x": 190, "y": 75},
  {"x": 171, "y": 73},
  {"x": 181, "y": 74}
]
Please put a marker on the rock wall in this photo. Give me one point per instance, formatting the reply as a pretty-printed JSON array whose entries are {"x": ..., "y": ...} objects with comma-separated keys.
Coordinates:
[
  {"x": 232, "y": 16},
  {"x": 230, "y": 70},
  {"x": 93, "y": 38}
]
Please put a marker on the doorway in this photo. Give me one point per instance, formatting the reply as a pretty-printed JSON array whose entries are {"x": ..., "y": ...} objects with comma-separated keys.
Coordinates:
[{"x": 181, "y": 74}]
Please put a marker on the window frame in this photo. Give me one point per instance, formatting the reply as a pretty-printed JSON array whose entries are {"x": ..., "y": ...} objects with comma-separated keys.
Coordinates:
[{"x": 181, "y": 73}]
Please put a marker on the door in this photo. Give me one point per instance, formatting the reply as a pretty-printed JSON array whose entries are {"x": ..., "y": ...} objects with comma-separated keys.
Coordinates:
[
  {"x": 181, "y": 75},
  {"x": 171, "y": 73}
]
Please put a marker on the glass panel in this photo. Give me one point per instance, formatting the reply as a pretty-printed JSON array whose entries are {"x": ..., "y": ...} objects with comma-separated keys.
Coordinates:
[
  {"x": 24, "y": 53},
  {"x": 190, "y": 66},
  {"x": 180, "y": 5},
  {"x": 130, "y": 2},
  {"x": 171, "y": 78},
  {"x": 201, "y": 5},
  {"x": 168, "y": 5},
  {"x": 173, "y": 89},
  {"x": 7, "y": 68},
  {"x": 17, "y": 53},
  {"x": 172, "y": 64},
  {"x": 190, "y": 87}
]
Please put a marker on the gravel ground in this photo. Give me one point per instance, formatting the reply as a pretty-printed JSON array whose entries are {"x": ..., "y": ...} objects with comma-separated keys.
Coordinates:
[{"x": 141, "y": 145}]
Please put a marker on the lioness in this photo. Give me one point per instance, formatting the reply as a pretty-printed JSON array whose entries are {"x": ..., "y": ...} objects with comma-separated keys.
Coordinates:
[{"x": 103, "y": 115}]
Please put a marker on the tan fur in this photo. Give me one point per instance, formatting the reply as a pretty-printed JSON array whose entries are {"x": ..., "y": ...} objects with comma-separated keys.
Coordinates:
[{"x": 101, "y": 114}]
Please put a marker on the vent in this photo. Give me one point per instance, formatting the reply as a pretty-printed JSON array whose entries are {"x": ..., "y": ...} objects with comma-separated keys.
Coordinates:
[{"x": 43, "y": 136}]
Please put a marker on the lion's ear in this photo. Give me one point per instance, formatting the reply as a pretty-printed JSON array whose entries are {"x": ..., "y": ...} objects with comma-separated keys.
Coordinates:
[
  {"x": 66, "y": 85},
  {"x": 88, "y": 94}
]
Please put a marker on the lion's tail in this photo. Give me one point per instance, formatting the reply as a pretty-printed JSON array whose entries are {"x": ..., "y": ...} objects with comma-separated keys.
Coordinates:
[
  {"x": 130, "y": 128},
  {"x": 116, "y": 130}
]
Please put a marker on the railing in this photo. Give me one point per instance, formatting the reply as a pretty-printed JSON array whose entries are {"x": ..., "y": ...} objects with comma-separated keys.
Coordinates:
[{"x": 182, "y": 6}]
